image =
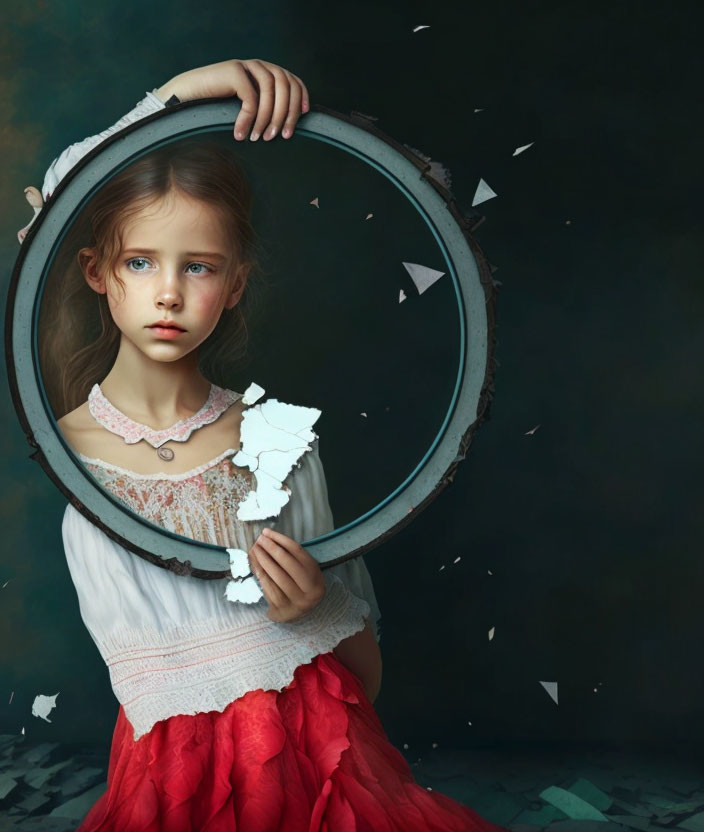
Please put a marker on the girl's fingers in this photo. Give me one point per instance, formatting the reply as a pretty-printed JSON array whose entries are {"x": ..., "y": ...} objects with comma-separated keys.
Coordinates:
[
  {"x": 266, "y": 83},
  {"x": 282, "y": 98},
  {"x": 305, "y": 102},
  {"x": 294, "y": 107},
  {"x": 282, "y": 568},
  {"x": 271, "y": 591},
  {"x": 247, "y": 93},
  {"x": 281, "y": 102},
  {"x": 288, "y": 543}
]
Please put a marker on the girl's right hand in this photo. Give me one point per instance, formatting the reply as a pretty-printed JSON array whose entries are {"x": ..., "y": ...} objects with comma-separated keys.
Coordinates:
[
  {"x": 267, "y": 91},
  {"x": 290, "y": 577}
]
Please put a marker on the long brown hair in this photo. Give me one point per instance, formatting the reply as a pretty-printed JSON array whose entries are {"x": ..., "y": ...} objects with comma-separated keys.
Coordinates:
[{"x": 77, "y": 337}]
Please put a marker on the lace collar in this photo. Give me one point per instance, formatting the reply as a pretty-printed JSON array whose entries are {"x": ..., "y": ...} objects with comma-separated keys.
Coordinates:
[{"x": 104, "y": 412}]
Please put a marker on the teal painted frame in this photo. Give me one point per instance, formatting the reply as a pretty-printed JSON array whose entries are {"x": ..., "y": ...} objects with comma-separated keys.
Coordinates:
[{"x": 468, "y": 268}]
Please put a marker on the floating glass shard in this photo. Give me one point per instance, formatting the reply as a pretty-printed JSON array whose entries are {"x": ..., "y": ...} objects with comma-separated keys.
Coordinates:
[
  {"x": 369, "y": 216},
  {"x": 521, "y": 149},
  {"x": 422, "y": 276},
  {"x": 401, "y": 296},
  {"x": 482, "y": 193},
  {"x": 253, "y": 393},
  {"x": 551, "y": 688},
  {"x": 418, "y": 28},
  {"x": 491, "y": 633},
  {"x": 43, "y": 705},
  {"x": 315, "y": 202}
]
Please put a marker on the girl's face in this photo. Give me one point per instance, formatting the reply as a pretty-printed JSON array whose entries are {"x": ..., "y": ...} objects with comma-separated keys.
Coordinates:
[{"x": 174, "y": 266}]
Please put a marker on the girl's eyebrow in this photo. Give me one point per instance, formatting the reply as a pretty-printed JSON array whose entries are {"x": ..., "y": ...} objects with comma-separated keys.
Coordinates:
[{"x": 186, "y": 253}]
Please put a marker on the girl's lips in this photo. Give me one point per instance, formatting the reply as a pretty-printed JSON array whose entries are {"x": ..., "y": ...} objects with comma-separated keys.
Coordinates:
[{"x": 166, "y": 331}]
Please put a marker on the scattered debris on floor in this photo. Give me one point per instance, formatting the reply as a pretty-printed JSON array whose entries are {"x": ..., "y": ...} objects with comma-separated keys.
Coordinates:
[
  {"x": 567, "y": 790},
  {"x": 48, "y": 787}
]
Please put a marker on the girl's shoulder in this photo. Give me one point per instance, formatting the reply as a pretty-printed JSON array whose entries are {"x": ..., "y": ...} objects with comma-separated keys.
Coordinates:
[{"x": 80, "y": 429}]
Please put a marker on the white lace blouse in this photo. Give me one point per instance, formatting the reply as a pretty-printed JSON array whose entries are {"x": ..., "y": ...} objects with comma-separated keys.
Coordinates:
[{"x": 176, "y": 645}]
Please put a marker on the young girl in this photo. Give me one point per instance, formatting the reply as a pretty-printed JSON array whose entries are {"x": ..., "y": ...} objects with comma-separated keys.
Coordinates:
[{"x": 248, "y": 717}]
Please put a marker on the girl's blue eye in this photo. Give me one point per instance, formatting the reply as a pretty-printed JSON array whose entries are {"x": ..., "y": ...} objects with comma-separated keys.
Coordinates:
[
  {"x": 144, "y": 260},
  {"x": 200, "y": 264},
  {"x": 136, "y": 259}
]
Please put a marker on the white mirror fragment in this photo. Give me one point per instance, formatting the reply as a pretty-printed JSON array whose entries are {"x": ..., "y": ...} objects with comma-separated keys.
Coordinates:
[
  {"x": 242, "y": 589},
  {"x": 253, "y": 393},
  {"x": 43, "y": 705},
  {"x": 551, "y": 688},
  {"x": 482, "y": 193},
  {"x": 422, "y": 276},
  {"x": 522, "y": 148},
  {"x": 274, "y": 435}
]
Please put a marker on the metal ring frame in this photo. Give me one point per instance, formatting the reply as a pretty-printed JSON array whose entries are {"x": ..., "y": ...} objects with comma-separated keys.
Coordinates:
[{"x": 467, "y": 266}]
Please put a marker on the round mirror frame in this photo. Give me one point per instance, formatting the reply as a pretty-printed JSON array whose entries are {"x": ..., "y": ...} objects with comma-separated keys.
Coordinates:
[{"x": 468, "y": 268}]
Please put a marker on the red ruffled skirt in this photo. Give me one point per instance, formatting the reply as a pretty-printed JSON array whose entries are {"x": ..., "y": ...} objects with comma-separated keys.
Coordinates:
[{"x": 313, "y": 757}]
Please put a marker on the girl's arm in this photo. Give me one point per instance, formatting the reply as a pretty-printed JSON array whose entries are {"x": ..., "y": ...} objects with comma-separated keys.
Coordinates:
[
  {"x": 360, "y": 653},
  {"x": 272, "y": 95}
]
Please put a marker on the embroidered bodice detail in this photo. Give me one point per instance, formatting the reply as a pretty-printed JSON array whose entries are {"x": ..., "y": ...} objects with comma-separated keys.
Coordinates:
[
  {"x": 112, "y": 419},
  {"x": 200, "y": 504}
]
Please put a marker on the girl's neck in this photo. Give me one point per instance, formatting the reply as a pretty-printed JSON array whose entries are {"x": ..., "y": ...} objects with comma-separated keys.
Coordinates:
[{"x": 156, "y": 393}]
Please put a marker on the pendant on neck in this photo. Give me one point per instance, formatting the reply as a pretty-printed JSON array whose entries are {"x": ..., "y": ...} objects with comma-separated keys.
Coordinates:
[{"x": 165, "y": 453}]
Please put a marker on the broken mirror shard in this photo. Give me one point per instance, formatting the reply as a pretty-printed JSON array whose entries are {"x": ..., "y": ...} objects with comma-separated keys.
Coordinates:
[
  {"x": 482, "y": 193},
  {"x": 253, "y": 393},
  {"x": 522, "y": 148},
  {"x": 422, "y": 276},
  {"x": 243, "y": 589},
  {"x": 551, "y": 689},
  {"x": 273, "y": 436},
  {"x": 43, "y": 705}
]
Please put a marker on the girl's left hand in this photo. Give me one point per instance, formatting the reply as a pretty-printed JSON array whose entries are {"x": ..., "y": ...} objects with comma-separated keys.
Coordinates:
[
  {"x": 267, "y": 91},
  {"x": 290, "y": 577}
]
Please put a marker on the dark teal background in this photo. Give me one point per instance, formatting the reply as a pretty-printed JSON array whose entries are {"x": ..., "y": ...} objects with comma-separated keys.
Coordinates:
[{"x": 592, "y": 525}]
